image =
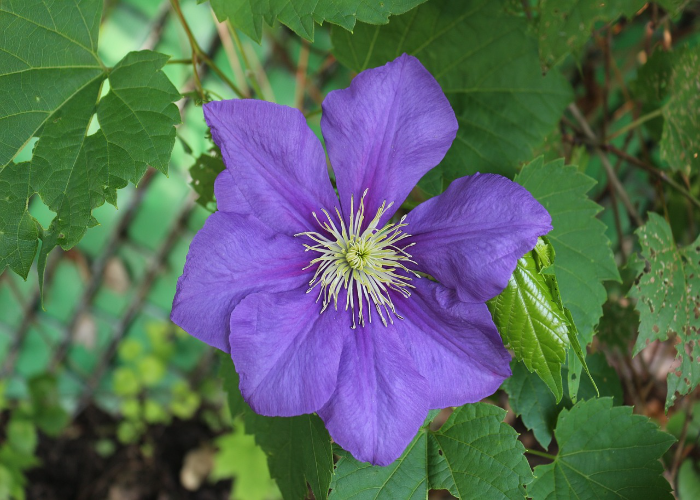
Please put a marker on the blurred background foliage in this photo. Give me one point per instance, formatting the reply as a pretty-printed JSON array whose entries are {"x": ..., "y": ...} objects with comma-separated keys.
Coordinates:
[{"x": 102, "y": 397}]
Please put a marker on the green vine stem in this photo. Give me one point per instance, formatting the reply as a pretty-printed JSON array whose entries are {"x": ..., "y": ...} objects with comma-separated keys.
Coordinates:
[{"x": 198, "y": 53}]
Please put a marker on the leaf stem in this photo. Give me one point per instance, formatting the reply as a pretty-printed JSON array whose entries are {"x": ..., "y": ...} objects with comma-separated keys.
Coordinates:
[
  {"x": 636, "y": 123},
  {"x": 179, "y": 61},
  {"x": 198, "y": 53},
  {"x": 314, "y": 112},
  {"x": 653, "y": 170},
  {"x": 540, "y": 454},
  {"x": 301, "y": 76},
  {"x": 252, "y": 77},
  {"x": 612, "y": 176}
]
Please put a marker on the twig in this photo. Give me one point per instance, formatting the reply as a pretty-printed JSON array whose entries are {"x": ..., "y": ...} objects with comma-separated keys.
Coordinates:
[
  {"x": 252, "y": 77},
  {"x": 30, "y": 309},
  {"x": 636, "y": 123},
  {"x": 198, "y": 53},
  {"x": 652, "y": 170},
  {"x": 540, "y": 454},
  {"x": 233, "y": 59},
  {"x": 301, "y": 75},
  {"x": 678, "y": 456},
  {"x": 179, "y": 61},
  {"x": 98, "y": 268},
  {"x": 612, "y": 176},
  {"x": 137, "y": 302}
]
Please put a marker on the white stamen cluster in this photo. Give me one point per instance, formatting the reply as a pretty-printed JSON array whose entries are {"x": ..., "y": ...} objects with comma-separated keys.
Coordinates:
[{"x": 364, "y": 263}]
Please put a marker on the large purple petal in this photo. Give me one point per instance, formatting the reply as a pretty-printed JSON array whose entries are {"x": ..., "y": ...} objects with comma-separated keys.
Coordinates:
[
  {"x": 230, "y": 257},
  {"x": 285, "y": 352},
  {"x": 380, "y": 401},
  {"x": 228, "y": 196},
  {"x": 471, "y": 236},
  {"x": 275, "y": 160},
  {"x": 385, "y": 131},
  {"x": 454, "y": 345}
]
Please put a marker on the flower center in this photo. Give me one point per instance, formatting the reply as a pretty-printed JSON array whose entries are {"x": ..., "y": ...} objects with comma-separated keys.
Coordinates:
[{"x": 367, "y": 264}]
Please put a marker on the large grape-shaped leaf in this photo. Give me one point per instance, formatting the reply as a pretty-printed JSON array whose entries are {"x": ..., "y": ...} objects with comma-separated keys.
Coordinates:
[
  {"x": 473, "y": 455},
  {"x": 487, "y": 66},
  {"x": 530, "y": 398},
  {"x": 48, "y": 54},
  {"x": 299, "y": 16},
  {"x": 50, "y": 83},
  {"x": 668, "y": 300},
  {"x": 584, "y": 259},
  {"x": 604, "y": 452}
]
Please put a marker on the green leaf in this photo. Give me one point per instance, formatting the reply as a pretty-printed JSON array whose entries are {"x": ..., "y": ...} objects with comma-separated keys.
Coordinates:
[
  {"x": 483, "y": 454},
  {"x": 204, "y": 172},
  {"x": 487, "y": 66},
  {"x": 604, "y": 452},
  {"x": 474, "y": 455},
  {"x": 138, "y": 115},
  {"x": 51, "y": 80},
  {"x": 48, "y": 55},
  {"x": 651, "y": 84},
  {"x": 68, "y": 168},
  {"x": 530, "y": 398},
  {"x": 565, "y": 25},
  {"x": 531, "y": 319},
  {"x": 405, "y": 478},
  {"x": 298, "y": 449},
  {"x": 19, "y": 231},
  {"x": 236, "y": 405},
  {"x": 688, "y": 481},
  {"x": 47, "y": 412},
  {"x": 680, "y": 141},
  {"x": 584, "y": 259},
  {"x": 238, "y": 457},
  {"x": 22, "y": 436},
  {"x": 668, "y": 300},
  {"x": 248, "y": 15}
]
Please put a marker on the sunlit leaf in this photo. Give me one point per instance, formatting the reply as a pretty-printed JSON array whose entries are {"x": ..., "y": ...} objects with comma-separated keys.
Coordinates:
[
  {"x": 531, "y": 319},
  {"x": 584, "y": 259}
]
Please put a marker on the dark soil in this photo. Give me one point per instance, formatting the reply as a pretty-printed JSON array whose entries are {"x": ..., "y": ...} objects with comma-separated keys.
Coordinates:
[{"x": 72, "y": 469}]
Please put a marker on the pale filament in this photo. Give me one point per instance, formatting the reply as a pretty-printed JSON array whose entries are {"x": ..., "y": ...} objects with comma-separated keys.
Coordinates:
[{"x": 364, "y": 263}]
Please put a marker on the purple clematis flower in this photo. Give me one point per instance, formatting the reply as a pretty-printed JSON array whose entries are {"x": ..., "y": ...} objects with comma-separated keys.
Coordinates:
[{"x": 322, "y": 302}]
